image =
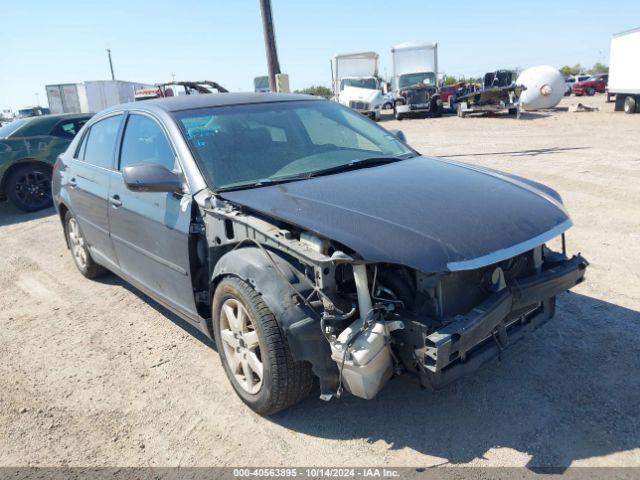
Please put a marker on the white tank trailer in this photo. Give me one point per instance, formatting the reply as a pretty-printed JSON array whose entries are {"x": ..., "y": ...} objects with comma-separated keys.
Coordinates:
[{"x": 545, "y": 87}]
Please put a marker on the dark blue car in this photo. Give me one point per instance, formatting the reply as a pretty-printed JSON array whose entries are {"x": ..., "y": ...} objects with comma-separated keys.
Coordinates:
[{"x": 308, "y": 241}]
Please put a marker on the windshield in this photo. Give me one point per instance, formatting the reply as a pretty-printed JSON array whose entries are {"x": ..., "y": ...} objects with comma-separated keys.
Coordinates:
[
  {"x": 411, "y": 79},
  {"x": 11, "y": 127},
  {"x": 369, "y": 83},
  {"x": 245, "y": 145}
]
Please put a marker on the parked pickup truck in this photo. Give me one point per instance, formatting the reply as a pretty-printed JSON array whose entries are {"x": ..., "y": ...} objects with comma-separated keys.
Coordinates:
[{"x": 595, "y": 83}]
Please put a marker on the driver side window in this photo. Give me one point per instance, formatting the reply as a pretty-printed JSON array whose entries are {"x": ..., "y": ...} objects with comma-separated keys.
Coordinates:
[{"x": 144, "y": 141}]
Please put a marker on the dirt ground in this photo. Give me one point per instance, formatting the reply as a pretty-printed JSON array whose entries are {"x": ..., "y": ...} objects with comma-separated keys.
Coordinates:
[{"x": 94, "y": 373}]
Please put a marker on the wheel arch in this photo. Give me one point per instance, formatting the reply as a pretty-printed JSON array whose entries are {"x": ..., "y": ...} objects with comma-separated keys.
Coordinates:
[
  {"x": 301, "y": 330},
  {"x": 17, "y": 165}
]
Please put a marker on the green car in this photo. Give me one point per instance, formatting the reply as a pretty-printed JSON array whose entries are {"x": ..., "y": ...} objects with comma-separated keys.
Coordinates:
[{"x": 28, "y": 149}]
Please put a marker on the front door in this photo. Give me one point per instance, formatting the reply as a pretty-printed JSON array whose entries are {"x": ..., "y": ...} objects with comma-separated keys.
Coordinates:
[{"x": 149, "y": 230}]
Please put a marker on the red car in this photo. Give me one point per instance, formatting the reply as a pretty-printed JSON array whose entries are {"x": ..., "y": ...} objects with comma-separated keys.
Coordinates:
[{"x": 596, "y": 83}]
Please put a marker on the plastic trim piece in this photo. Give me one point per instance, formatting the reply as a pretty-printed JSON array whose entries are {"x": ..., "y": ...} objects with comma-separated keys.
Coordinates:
[{"x": 505, "y": 253}]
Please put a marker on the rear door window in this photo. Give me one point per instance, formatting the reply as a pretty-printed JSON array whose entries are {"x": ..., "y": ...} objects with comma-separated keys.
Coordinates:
[
  {"x": 68, "y": 128},
  {"x": 100, "y": 142},
  {"x": 144, "y": 141}
]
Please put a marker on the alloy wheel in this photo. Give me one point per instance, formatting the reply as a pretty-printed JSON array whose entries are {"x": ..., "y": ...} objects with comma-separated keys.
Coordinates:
[
  {"x": 240, "y": 345},
  {"x": 77, "y": 245},
  {"x": 33, "y": 189}
]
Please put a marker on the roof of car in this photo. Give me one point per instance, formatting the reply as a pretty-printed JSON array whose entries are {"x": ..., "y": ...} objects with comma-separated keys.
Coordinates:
[
  {"x": 187, "y": 102},
  {"x": 56, "y": 117}
]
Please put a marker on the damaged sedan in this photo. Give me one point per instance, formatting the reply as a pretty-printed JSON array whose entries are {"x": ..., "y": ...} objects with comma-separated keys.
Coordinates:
[{"x": 308, "y": 241}]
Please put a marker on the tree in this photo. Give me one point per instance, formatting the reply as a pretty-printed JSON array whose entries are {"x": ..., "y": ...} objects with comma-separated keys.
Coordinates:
[
  {"x": 318, "y": 91},
  {"x": 566, "y": 71},
  {"x": 599, "y": 68},
  {"x": 450, "y": 80},
  {"x": 575, "y": 70}
]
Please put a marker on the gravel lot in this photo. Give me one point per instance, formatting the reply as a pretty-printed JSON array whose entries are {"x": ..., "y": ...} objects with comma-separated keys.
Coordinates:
[{"x": 94, "y": 373}]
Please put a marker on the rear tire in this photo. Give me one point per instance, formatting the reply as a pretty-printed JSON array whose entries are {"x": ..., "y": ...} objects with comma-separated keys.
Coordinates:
[
  {"x": 513, "y": 111},
  {"x": 630, "y": 104},
  {"x": 80, "y": 249},
  {"x": 29, "y": 188},
  {"x": 254, "y": 352}
]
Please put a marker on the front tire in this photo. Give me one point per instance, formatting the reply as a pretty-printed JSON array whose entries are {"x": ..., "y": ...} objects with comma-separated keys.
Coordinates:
[
  {"x": 80, "y": 249},
  {"x": 29, "y": 188},
  {"x": 254, "y": 352},
  {"x": 591, "y": 91}
]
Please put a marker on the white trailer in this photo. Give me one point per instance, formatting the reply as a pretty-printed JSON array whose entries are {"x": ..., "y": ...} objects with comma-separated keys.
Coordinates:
[
  {"x": 624, "y": 70},
  {"x": 103, "y": 94},
  {"x": 67, "y": 98},
  {"x": 90, "y": 96},
  {"x": 356, "y": 83}
]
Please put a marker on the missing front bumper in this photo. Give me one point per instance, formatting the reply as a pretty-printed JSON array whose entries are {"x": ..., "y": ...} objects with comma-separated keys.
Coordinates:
[{"x": 467, "y": 341}]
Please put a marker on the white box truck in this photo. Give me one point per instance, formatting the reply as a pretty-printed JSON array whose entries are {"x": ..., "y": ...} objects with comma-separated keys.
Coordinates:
[
  {"x": 103, "y": 94},
  {"x": 67, "y": 98},
  {"x": 356, "y": 83},
  {"x": 624, "y": 70},
  {"x": 90, "y": 96},
  {"x": 415, "y": 79}
]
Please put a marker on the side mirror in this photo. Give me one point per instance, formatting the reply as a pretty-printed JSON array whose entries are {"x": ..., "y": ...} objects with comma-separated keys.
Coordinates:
[
  {"x": 149, "y": 177},
  {"x": 399, "y": 134}
]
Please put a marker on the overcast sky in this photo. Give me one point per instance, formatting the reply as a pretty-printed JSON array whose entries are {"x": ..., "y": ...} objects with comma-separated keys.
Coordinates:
[{"x": 60, "y": 41}]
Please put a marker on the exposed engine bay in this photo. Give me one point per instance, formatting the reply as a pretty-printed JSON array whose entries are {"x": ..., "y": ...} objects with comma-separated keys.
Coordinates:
[{"x": 360, "y": 323}]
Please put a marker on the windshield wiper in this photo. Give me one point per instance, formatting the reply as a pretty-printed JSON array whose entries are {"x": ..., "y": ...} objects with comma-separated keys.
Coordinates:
[
  {"x": 263, "y": 182},
  {"x": 355, "y": 164}
]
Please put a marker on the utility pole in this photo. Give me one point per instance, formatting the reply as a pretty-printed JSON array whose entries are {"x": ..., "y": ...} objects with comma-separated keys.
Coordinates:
[
  {"x": 113, "y": 77},
  {"x": 270, "y": 43}
]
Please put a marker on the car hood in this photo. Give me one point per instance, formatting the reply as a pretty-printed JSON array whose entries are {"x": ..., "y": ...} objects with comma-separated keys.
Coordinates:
[{"x": 427, "y": 214}]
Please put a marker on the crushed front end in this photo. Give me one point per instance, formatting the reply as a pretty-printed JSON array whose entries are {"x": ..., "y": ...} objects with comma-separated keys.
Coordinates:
[
  {"x": 440, "y": 326},
  {"x": 476, "y": 314},
  {"x": 360, "y": 323}
]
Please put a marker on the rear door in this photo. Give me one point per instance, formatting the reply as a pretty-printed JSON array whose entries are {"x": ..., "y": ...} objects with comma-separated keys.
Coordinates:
[
  {"x": 150, "y": 230},
  {"x": 88, "y": 184}
]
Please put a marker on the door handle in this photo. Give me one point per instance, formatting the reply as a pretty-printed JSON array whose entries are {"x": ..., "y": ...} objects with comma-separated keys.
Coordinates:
[
  {"x": 72, "y": 182},
  {"x": 115, "y": 200}
]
